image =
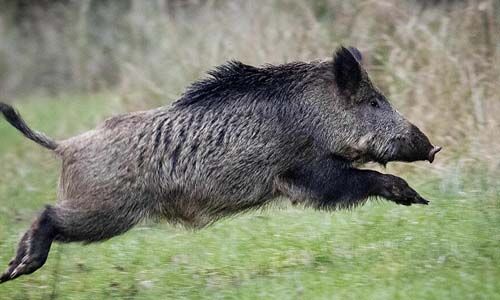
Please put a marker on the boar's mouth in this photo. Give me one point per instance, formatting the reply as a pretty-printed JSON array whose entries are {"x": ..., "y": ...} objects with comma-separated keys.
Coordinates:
[
  {"x": 412, "y": 157},
  {"x": 398, "y": 154},
  {"x": 411, "y": 146},
  {"x": 414, "y": 146}
]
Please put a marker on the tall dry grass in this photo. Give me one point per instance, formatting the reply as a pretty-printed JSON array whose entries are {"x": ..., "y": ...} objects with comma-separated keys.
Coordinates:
[{"x": 439, "y": 63}]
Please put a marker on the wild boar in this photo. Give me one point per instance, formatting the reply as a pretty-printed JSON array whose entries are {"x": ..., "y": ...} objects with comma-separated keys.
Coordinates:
[{"x": 234, "y": 141}]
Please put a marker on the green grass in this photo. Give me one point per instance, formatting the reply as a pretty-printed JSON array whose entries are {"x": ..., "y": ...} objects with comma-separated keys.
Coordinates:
[{"x": 447, "y": 250}]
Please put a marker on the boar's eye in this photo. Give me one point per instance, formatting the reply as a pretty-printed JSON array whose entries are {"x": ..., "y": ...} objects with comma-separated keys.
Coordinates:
[{"x": 374, "y": 103}]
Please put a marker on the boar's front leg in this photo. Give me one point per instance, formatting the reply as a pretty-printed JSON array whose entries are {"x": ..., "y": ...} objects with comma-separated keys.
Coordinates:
[
  {"x": 396, "y": 189},
  {"x": 329, "y": 183}
]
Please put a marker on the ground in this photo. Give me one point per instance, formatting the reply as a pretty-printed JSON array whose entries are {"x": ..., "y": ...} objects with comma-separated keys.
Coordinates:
[{"x": 447, "y": 250}]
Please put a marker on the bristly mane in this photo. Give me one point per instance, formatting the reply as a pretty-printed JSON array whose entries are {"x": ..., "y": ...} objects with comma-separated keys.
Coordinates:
[{"x": 233, "y": 80}]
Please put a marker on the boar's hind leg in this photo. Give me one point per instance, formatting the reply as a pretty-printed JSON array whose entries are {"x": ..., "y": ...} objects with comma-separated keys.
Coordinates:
[
  {"x": 33, "y": 248},
  {"x": 63, "y": 224},
  {"x": 329, "y": 184},
  {"x": 81, "y": 225}
]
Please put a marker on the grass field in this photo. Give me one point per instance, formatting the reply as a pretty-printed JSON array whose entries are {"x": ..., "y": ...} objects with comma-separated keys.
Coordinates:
[{"x": 447, "y": 250}]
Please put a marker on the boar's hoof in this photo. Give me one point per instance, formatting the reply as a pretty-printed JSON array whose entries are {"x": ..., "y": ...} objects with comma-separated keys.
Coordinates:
[
  {"x": 27, "y": 265},
  {"x": 433, "y": 152},
  {"x": 412, "y": 200},
  {"x": 397, "y": 189}
]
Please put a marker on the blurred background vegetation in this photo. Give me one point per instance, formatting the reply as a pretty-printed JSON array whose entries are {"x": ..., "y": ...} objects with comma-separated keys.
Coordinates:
[{"x": 69, "y": 64}]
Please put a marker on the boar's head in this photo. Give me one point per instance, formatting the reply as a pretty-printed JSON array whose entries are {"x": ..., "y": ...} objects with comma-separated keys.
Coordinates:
[{"x": 358, "y": 123}]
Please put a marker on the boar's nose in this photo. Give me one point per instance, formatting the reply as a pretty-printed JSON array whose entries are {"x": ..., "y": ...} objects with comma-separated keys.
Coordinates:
[{"x": 433, "y": 152}]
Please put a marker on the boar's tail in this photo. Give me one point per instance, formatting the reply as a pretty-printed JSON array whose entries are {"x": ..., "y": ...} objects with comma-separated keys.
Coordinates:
[{"x": 13, "y": 117}]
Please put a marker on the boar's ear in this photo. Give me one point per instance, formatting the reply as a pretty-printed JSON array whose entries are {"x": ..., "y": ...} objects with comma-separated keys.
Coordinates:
[
  {"x": 347, "y": 69},
  {"x": 356, "y": 53}
]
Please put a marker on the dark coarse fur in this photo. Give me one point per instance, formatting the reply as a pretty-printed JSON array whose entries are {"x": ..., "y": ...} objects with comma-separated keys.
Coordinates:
[{"x": 234, "y": 141}]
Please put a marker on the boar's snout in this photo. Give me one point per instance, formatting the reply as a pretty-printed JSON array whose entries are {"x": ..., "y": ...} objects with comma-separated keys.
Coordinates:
[{"x": 416, "y": 147}]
